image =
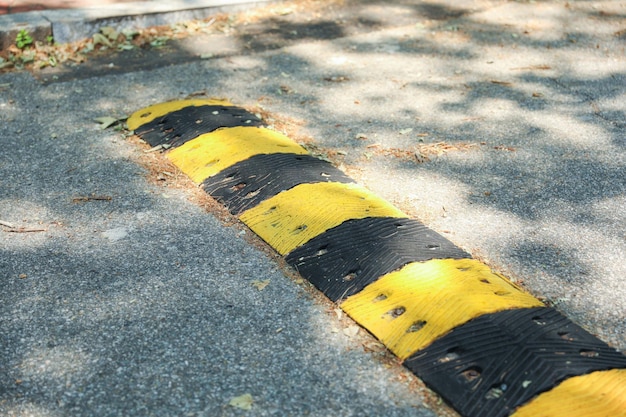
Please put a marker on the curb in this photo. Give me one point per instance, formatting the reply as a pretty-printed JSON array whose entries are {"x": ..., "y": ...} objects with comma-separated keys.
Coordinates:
[
  {"x": 76, "y": 24},
  {"x": 489, "y": 348}
]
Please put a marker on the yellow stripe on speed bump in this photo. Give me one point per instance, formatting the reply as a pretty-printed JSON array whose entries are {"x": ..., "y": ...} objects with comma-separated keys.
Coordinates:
[
  {"x": 150, "y": 113},
  {"x": 598, "y": 394},
  {"x": 208, "y": 154},
  {"x": 408, "y": 309},
  {"x": 293, "y": 217}
]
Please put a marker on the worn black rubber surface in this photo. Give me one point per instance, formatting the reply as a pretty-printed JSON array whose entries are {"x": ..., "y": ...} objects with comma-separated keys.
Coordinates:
[
  {"x": 188, "y": 123},
  {"x": 497, "y": 362},
  {"x": 343, "y": 260},
  {"x": 247, "y": 183}
]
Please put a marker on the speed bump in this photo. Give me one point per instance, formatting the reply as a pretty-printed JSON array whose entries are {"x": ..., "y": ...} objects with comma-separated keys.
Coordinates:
[
  {"x": 175, "y": 123},
  {"x": 247, "y": 183},
  {"x": 486, "y": 346},
  {"x": 295, "y": 216},
  {"x": 211, "y": 153},
  {"x": 410, "y": 308},
  {"x": 498, "y": 361},
  {"x": 345, "y": 259},
  {"x": 597, "y": 394}
]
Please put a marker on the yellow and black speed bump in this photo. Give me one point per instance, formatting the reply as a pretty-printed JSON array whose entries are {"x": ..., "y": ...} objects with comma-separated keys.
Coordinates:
[
  {"x": 497, "y": 362},
  {"x": 247, "y": 183},
  {"x": 182, "y": 125},
  {"x": 486, "y": 346},
  {"x": 347, "y": 258}
]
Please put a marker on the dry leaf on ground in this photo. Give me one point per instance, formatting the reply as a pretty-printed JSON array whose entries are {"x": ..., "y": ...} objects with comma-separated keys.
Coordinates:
[
  {"x": 260, "y": 285},
  {"x": 351, "y": 331},
  {"x": 108, "y": 121},
  {"x": 243, "y": 402}
]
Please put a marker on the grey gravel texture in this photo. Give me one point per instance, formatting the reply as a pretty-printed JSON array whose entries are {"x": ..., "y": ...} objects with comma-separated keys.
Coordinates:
[{"x": 144, "y": 304}]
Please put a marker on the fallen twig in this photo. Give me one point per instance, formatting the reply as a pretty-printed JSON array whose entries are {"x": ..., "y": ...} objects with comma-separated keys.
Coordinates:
[
  {"x": 162, "y": 146},
  {"x": 91, "y": 198},
  {"x": 7, "y": 224},
  {"x": 532, "y": 67},
  {"x": 11, "y": 228}
]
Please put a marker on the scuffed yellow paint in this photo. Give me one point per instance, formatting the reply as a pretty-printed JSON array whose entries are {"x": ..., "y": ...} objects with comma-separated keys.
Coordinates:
[
  {"x": 410, "y": 308},
  {"x": 148, "y": 114},
  {"x": 293, "y": 217},
  {"x": 210, "y": 153},
  {"x": 598, "y": 394}
]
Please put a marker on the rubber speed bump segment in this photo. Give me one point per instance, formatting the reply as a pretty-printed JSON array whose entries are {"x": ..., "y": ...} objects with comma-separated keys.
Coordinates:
[
  {"x": 600, "y": 393},
  {"x": 227, "y": 147},
  {"x": 486, "y": 346},
  {"x": 345, "y": 259},
  {"x": 247, "y": 183},
  {"x": 398, "y": 308},
  {"x": 297, "y": 215},
  {"x": 173, "y": 125},
  {"x": 497, "y": 362}
]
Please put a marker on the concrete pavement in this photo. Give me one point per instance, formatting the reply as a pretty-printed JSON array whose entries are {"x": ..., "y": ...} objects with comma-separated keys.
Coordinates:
[
  {"x": 25, "y": 6},
  {"x": 498, "y": 124},
  {"x": 80, "y": 19}
]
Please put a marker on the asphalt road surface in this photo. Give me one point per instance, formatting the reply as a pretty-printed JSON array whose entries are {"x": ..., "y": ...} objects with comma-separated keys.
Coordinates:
[{"x": 126, "y": 292}]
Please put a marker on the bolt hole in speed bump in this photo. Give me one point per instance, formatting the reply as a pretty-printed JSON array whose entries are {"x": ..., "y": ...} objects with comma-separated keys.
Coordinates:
[{"x": 478, "y": 340}]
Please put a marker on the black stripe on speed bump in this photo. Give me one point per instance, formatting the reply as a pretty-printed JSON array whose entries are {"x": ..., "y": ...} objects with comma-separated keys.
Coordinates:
[
  {"x": 188, "y": 123},
  {"x": 345, "y": 259},
  {"x": 497, "y": 362},
  {"x": 247, "y": 183}
]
